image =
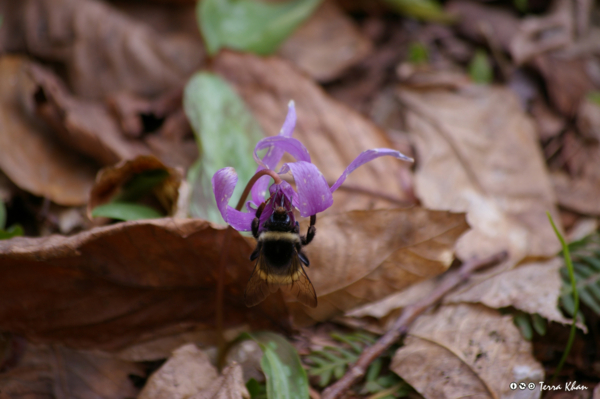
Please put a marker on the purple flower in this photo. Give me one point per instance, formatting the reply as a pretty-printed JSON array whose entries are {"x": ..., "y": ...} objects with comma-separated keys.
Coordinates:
[{"x": 312, "y": 194}]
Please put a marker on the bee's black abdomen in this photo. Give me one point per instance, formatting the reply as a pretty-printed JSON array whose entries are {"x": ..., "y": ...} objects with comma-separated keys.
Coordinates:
[
  {"x": 278, "y": 252},
  {"x": 279, "y": 248}
]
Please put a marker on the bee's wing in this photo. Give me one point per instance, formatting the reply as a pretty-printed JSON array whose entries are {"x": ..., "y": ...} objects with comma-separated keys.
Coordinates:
[
  {"x": 265, "y": 280},
  {"x": 300, "y": 285},
  {"x": 258, "y": 287}
]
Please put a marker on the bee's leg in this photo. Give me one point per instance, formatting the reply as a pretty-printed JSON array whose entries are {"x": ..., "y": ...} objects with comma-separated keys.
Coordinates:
[
  {"x": 303, "y": 258},
  {"x": 296, "y": 229},
  {"x": 312, "y": 230},
  {"x": 256, "y": 221},
  {"x": 256, "y": 251}
]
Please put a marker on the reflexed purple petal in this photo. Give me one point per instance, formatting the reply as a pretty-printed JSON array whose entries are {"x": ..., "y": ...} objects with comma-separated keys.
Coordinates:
[
  {"x": 280, "y": 143},
  {"x": 251, "y": 206},
  {"x": 273, "y": 156},
  {"x": 367, "y": 156},
  {"x": 223, "y": 183},
  {"x": 241, "y": 221},
  {"x": 290, "y": 122},
  {"x": 313, "y": 191},
  {"x": 259, "y": 190}
]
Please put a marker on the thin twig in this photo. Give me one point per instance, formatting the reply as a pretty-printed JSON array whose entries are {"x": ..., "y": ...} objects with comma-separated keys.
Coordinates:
[{"x": 400, "y": 327}]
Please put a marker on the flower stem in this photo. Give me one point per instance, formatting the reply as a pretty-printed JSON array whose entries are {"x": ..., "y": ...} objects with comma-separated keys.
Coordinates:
[
  {"x": 253, "y": 180},
  {"x": 223, "y": 259}
]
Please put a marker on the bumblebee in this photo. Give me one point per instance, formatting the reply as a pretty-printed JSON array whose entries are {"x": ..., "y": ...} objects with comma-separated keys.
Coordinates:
[{"x": 279, "y": 258}]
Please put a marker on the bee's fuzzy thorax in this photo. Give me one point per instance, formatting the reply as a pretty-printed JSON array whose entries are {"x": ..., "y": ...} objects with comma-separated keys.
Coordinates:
[{"x": 279, "y": 235}]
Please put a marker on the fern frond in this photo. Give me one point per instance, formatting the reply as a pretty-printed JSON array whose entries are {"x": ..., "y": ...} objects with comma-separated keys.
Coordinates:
[{"x": 585, "y": 254}]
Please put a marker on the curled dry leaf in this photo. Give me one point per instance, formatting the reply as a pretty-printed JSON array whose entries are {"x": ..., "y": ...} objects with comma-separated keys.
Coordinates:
[
  {"x": 333, "y": 134},
  {"x": 102, "y": 50},
  {"x": 29, "y": 154},
  {"x": 532, "y": 288},
  {"x": 362, "y": 256},
  {"x": 113, "y": 180},
  {"x": 82, "y": 125},
  {"x": 230, "y": 385},
  {"x": 53, "y": 371},
  {"x": 113, "y": 286},
  {"x": 187, "y": 372},
  {"x": 326, "y": 44},
  {"x": 478, "y": 153},
  {"x": 467, "y": 351}
]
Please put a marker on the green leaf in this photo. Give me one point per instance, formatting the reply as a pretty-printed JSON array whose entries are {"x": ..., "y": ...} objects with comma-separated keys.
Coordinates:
[
  {"x": 13, "y": 231},
  {"x": 286, "y": 378},
  {"x": 418, "y": 53},
  {"x": 521, "y": 320},
  {"x": 2, "y": 215},
  {"x": 226, "y": 133},
  {"x": 250, "y": 25},
  {"x": 125, "y": 211},
  {"x": 539, "y": 324},
  {"x": 480, "y": 68},
  {"x": 141, "y": 184},
  {"x": 426, "y": 10},
  {"x": 594, "y": 96},
  {"x": 521, "y": 5},
  {"x": 256, "y": 389}
]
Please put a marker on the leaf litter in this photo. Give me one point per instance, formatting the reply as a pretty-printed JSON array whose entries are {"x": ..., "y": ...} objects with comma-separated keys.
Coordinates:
[{"x": 96, "y": 310}]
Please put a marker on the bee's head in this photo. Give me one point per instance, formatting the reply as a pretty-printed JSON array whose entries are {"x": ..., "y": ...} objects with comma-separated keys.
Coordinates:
[{"x": 280, "y": 216}]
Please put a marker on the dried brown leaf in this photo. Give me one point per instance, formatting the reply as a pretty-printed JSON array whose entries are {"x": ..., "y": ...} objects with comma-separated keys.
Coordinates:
[
  {"x": 567, "y": 81},
  {"x": 537, "y": 35},
  {"x": 189, "y": 374},
  {"x": 478, "y": 153},
  {"x": 114, "y": 286},
  {"x": 111, "y": 180},
  {"x": 102, "y": 50},
  {"x": 362, "y": 256},
  {"x": 482, "y": 23},
  {"x": 29, "y": 154},
  {"x": 588, "y": 119},
  {"x": 230, "y": 385},
  {"x": 549, "y": 123},
  {"x": 53, "y": 371},
  {"x": 580, "y": 190},
  {"x": 446, "y": 377},
  {"x": 327, "y": 44},
  {"x": 85, "y": 126},
  {"x": 578, "y": 194},
  {"x": 475, "y": 344},
  {"x": 333, "y": 134},
  {"x": 532, "y": 288},
  {"x": 186, "y": 372}
]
